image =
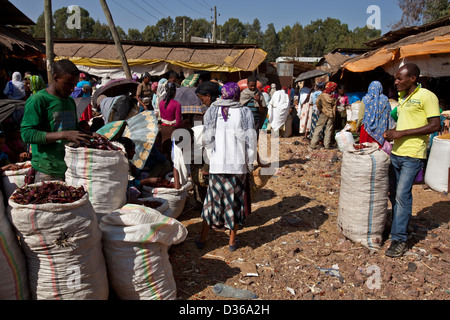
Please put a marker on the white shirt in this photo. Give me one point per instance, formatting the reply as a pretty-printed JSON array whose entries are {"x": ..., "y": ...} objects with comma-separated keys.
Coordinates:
[{"x": 229, "y": 155}]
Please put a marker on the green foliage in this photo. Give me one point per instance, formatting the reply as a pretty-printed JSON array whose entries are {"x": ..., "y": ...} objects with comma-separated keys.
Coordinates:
[
  {"x": 271, "y": 43},
  {"x": 315, "y": 39},
  {"x": 417, "y": 12}
]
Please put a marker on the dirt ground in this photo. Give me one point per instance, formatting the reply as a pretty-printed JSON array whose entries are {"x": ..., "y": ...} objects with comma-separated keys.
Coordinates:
[{"x": 291, "y": 248}]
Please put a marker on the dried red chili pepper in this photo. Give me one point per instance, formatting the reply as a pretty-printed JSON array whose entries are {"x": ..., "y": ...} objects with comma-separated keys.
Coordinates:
[
  {"x": 100, "y": 143},
  {"x": 165, "y": 184},
  {"x": 48, "y": 192}
]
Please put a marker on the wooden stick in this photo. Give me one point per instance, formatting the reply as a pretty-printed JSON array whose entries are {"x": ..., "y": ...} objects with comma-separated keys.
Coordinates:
[
  {"x": 448, "y": 181},
  {"x": 116, "y": 38},
  {"x": 48, "y": 18}
]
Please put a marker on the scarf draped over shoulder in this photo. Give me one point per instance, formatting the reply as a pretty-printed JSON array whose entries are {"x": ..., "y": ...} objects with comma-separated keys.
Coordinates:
[{"x": 230, "y": 99}]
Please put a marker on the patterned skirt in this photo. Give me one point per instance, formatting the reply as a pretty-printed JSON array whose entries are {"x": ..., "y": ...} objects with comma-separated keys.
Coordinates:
[
  {"x": 314, "y": 120},
  {"x": 224, "y": 204}
]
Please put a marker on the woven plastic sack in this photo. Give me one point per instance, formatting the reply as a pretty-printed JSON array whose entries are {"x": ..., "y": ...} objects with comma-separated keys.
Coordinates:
[
  {"x": 136, "y": 240},
  {"x": 13, "y": 266},
  {"x": 63, "y": 249},
  {"x": 163, "y": 208},
  {"x": 103, "y": 173},
  {"x": 436, "y": 174},
  {"x": 175, "y": 197},
  {"x": 13, "y": 179},
  {"x": 363, "y": 199}
]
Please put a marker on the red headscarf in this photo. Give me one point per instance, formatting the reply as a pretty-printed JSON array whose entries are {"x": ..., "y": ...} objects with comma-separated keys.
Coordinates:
[
  {"x": 330, "y": 87},
  {"x": 267, "y": 89}
]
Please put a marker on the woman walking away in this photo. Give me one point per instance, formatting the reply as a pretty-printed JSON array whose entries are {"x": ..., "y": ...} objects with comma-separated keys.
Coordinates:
[
  {"x": 231, "y": 139},
  {"x": 375, "y": 112},
  {"x": 170, "y": 112}
]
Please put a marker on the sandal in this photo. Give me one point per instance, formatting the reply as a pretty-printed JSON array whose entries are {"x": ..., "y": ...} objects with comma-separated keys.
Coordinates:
[
  {"x": 200, "y": 245},
  {"x": 236, "y": 245}
]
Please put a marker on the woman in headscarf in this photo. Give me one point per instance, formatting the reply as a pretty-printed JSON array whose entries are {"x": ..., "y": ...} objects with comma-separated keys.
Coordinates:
[
  {"x": 326, "y": 103},
  {"x": 230, "y": 137},
  {"x": 315, "y": 115},
  {"x": 36, "y": 84},
  {"x": 15, "y": 89},
  {"x": 160, "y": 94},
  {"x": 171, "y": 117},
  {"x": 376, "y": 111},
  {"x": 208, "y": 92}
]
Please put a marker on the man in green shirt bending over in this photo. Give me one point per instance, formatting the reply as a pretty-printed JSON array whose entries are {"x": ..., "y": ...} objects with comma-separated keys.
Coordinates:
[{"x": 50, "y": 121}]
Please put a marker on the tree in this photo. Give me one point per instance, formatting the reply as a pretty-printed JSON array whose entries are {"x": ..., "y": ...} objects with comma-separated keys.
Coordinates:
[
  {"x": 323, "y": 36},
  {"x": 200, "y": 28},
  {"x": 292, "y": 40},
  {"x": 101, "y": 31},
  {"x": 271, "y": 43},
  {"x": 437, "y": 9},
  {"x": 178, "y": 28},
  {"x": 60, "y": 29},
  {"x": 165, "y": 29},
  {"x": 150, "y": 34},
  {"x": 121, "y": 33},
  {"x": 254, "y": 33},
  {"x": 134, "y": 34},
  {"x": 234, "y": 31},
  {"x": 417, "y": 12}
]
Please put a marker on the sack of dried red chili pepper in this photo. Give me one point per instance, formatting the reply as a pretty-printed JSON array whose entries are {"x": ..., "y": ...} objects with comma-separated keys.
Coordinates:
[
  {"x": 61, "y": 242},
  {"x": 103, "y": 173}
]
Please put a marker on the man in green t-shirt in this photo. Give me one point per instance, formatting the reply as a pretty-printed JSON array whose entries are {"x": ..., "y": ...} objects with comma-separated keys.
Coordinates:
[
  {"x": 418, "y": 116},
  {"x": 50, "y": 121}
]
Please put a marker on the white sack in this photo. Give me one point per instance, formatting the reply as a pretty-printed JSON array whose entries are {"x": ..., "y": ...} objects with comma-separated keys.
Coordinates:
[
  {"x": 135, "y": 243},
  {"x": 73, "y": 269},
  {"x": 436, "y": 174},
  {"x": 176, "y": 197},
  {"x": 103, "y": 174},
  {"x": 363, "y": 197},
  {"x": 13, "y": 266},
  {"x": 13, "y": 179}
]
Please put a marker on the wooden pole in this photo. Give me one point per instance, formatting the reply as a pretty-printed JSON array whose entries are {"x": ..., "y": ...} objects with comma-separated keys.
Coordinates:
[
  {"x": 49, "y": 55},
  {"x": 184, "y": 29},
  {"x": 214, "y": 25},
  {"x": 116, "y": 38},
  {"x": 448, "y": 182}
]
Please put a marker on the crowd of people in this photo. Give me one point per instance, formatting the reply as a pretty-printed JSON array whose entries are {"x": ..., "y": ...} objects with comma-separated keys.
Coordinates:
[{"x": 49, "y": 121}]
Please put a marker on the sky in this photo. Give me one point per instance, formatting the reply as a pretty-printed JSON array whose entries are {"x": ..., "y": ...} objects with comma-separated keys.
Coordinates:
[{"x": 138, "y": 14}]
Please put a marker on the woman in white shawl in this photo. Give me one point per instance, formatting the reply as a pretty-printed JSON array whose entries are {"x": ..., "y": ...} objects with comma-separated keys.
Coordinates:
[
  {"x": 15, "y": 89},
  {"x": 305, "y": 109},
  {"x": 279, "y": 108},
  {"x": 231, "y": 139}
]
